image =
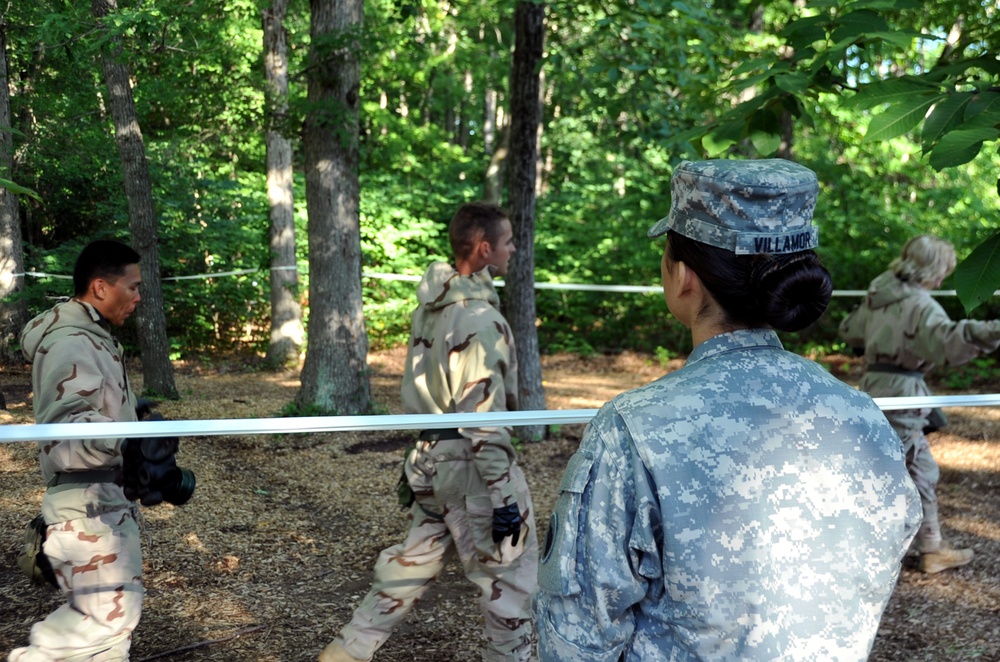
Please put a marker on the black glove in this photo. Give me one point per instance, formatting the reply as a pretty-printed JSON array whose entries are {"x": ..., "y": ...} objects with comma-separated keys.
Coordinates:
[
  {"x": 507, "y": 521},
  {"x": 144, "y": 408},
  {"x": 150, "y": 472},
  {"x": 404, "y": 493}
]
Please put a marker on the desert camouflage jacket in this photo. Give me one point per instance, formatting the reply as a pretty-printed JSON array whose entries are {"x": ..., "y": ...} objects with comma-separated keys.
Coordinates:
[
  {"x": 749, "y": 506},
  {"x": 78, "y": 376},
  {"x": 900, "y": 325},
  {"x": 461, "y": 358}
]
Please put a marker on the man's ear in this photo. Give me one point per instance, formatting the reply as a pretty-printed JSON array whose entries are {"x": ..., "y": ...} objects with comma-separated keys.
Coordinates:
[
  {"x": 99, "y": 289},
  {"x": 481, "y": 255}
]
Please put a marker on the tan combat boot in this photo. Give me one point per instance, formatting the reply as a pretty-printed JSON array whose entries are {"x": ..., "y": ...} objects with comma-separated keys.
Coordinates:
[
  {"x": 336, "y": 652},
  {"x": 943, "y": 559}
]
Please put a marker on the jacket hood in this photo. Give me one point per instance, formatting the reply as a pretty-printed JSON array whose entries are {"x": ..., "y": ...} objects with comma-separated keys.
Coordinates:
[
  {"x": 887, "y": 289},
  {"x": 442, "y": 286},
  {"x": 67, "y": 315}
]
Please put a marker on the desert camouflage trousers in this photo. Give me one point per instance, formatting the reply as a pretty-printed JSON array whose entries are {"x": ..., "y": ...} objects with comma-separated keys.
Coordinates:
[
  {"x": 98, "y": 563},
  {"x": 924, "y": 471},
  {"x": 453, "y": 513}
]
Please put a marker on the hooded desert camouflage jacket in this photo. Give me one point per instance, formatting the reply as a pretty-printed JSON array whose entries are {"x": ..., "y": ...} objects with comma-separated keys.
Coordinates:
[
  {"x": 900, "y": 325},
  {"x": 78, "y": 377},
  {"x": 461, "y": 359}
]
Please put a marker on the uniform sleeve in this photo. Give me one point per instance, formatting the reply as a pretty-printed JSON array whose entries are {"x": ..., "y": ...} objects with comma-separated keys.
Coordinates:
[
  {"x": 481, "y": 370},
  {"x": 71, "y": 388},
  {"x": 941, "y": 340},
  {"x": 852, "y": 329},
  {"x": 590, "y": 573}
]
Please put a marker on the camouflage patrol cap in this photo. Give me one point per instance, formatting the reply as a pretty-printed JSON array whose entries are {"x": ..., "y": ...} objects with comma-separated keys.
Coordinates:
[{"x": 747, "y": 207}]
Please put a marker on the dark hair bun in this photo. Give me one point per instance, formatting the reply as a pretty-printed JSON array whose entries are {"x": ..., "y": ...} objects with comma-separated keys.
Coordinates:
[{"x": 792, "y": 291}]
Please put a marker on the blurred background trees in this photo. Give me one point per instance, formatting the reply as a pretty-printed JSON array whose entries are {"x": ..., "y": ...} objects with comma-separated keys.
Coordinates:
[{"x": 895, "y": 105}]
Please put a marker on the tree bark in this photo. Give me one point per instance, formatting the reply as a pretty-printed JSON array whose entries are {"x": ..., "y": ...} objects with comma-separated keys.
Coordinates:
[
  {"x": 335, "y": 373},
  {"x": 519, "y": 295},
  {"x": 489, "y": 119},
  {"x": 287, "y": 333},
  {"x": 13, "y": 311},
  {"x": 154, "y": 347}
]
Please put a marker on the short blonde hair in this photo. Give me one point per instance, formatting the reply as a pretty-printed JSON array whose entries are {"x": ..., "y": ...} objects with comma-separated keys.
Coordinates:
[{"x": 926, "y": 261}]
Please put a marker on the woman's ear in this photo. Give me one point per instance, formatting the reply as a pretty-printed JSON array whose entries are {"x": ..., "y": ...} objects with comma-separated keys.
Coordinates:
[{"x": 685, "y": 280}]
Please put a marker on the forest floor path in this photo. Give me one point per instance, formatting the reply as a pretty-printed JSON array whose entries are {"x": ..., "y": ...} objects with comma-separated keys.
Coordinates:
[{"x": 276, "y": 548}]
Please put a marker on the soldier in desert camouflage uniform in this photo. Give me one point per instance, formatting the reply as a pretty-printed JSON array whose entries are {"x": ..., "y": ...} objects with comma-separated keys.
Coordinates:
[
  {"x": 904, "y": 334},
  {"x": 93, "y": 540},
  {"x": 469, "y": 492},
  {"x": 748, "y": 506}
]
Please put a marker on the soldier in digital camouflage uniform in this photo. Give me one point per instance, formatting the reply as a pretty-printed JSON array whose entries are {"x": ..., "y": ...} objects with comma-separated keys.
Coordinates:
[
  {"x": 904, "y": 334},
  {"x": 469, "y": 492},
  {"x": 748, "y": 506},
  {"x": 93, "y": 540}
]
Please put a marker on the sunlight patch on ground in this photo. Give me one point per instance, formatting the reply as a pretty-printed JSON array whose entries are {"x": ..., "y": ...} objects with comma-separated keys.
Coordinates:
[{"x": 975, "y": 526}]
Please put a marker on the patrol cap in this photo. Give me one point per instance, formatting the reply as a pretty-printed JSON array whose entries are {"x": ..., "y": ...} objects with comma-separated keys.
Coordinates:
[{"x": 747, "y": 207}]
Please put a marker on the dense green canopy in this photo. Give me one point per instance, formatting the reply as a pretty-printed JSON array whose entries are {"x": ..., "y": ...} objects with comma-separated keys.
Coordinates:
[{"x": 895, "y": 104}]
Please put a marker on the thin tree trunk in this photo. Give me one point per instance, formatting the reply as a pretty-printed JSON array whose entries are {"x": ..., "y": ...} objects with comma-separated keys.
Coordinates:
[
  {"x": 496, "y": 171},
  {"x": 335, "y": 373},
  {"x": 519, "y": 297},
  {"x": 13, "y": 311},
  {"x": 287, "y": 333},
  {"x": 489, "y": 119},
  {"x": 154, "y": 347}
]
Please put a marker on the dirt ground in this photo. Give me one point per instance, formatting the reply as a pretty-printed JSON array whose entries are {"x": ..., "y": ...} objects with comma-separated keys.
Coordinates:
[{"x": 275, "y": 550}]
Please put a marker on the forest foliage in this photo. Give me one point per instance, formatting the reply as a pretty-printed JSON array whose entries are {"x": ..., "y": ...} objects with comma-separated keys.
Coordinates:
[{"x": 894, "y": 104}]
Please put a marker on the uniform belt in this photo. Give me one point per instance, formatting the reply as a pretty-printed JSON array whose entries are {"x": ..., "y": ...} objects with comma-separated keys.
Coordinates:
[
  {"x": 438, "y": 435},
  {"x": 891, "y": 369},
  {"x": 93, "y": 476}
]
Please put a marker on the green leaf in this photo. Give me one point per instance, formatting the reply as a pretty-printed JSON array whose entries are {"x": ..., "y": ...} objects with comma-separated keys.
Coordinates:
[
  {"x": 765, "y": 143},
  {"x": 17, "y": 189},
  {"x": 10, "y": 129},
  {"x": 898, "y": 119},
  {"x": 945, "y": 116},
  {"x": 884, "y": 5},
  {"x": 794, "y": 83},
  {"x": 806, "y": 37},
  {"x": 765, "y": 132},
  {"x": 722, "y": 138},
  {"x": 960, "y": 68},
  {"x": 985, "y": 103},
  {"x": 887, "y": 91},
  {"x": 853, "y": 26},
  {"x": 901, "y": 38},
  {"x": 960, "y": 146},
  {"x": 978, "y": 276},
  {"x": 754, "y": 64}
]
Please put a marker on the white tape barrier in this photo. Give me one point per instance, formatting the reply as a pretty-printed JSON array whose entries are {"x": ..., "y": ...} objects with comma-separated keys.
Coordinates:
[
  {"x": 577, "y": 287},
  {"x": 310, "y": 424}
]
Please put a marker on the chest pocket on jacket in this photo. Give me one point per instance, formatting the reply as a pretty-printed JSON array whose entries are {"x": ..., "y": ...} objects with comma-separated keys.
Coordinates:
[{"x": 557, "y": 571}]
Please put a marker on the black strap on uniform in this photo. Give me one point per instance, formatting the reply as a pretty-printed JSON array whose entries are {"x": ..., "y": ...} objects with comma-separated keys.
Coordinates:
[
  {"x": 92, "y": 476},
  {"x": 438, "y": 435},
  {"x": 894, "y": 370}
]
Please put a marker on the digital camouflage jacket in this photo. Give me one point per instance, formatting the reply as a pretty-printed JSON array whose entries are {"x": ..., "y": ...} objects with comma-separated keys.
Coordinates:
[
  {"x": 749, "y": 506},
  {"x": 461, "y": 358},
  {"x": 78, "y": 376}
]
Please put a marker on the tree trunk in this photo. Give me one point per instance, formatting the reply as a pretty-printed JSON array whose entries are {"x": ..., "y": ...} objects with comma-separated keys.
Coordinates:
[
  {"x": 154, "y": 347},
  {"x": 287, "y": 332},
  {"x": 519, "y": 295},
  {"x": 335, "y": 373},
  {"x": 489, "y": 119},
  {"x": 496, "y": 171},
  {"x": 13, "y": 311}
]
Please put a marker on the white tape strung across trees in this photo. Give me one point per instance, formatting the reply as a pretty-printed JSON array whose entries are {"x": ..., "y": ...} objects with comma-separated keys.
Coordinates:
[
  {"x": 578, "y": 287},
  {"x": 310, "y": 424}
]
